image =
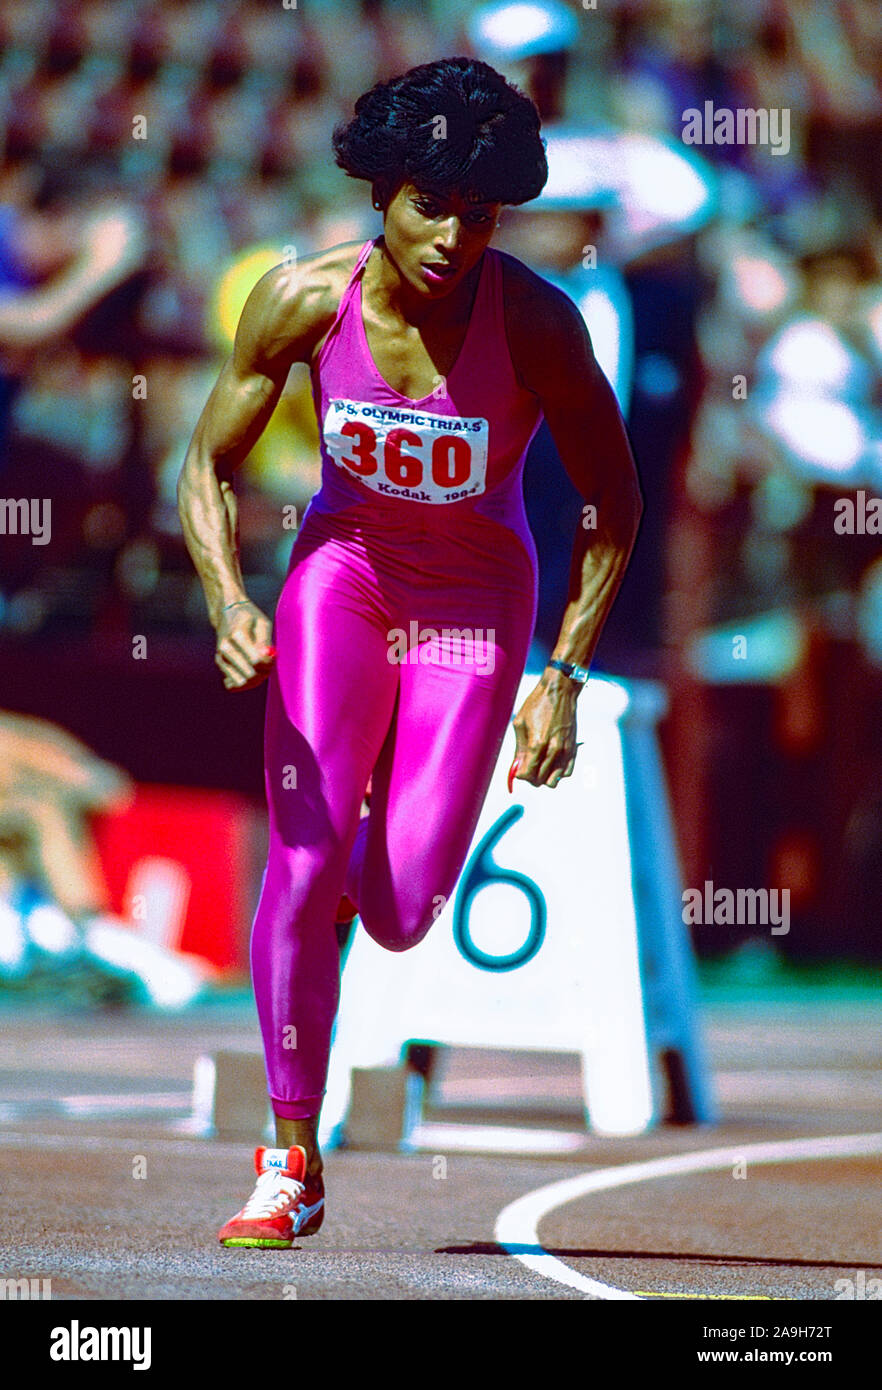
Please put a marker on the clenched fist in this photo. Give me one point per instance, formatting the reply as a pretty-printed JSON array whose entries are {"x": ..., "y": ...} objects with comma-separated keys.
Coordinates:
[{"x": 244, "y": 653}]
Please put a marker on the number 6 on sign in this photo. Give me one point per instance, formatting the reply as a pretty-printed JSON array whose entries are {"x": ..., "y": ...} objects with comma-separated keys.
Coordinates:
[{"x": 478, "y": 873}]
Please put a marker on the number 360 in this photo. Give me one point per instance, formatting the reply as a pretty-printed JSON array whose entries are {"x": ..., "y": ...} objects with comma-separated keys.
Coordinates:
[{"x": 451, "y": 460}]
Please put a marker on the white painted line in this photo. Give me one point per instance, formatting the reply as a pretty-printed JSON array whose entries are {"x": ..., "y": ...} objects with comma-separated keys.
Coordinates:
[
  {"x": 497, "y": 1139},
  {"x": 518, "y": 1223},
  {"x": 27, "y": 1139},
  {"x": 123, "y": 1105},
  {"x": 88, "y": 1107}
]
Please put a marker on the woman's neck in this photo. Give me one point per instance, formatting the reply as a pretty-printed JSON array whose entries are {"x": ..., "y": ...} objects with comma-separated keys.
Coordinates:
[{"x": 392, "y": 297}]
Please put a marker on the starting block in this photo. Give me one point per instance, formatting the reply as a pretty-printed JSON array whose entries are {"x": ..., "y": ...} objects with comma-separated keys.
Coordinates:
[
  {"x": 230, "y": 1098},
  {"x": 230, "y": 1101},
  {"x": 564, "y": 933}
]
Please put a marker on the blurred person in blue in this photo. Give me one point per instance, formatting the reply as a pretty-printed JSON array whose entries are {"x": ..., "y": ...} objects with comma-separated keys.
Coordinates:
[
  {"x": 610, "y": 229},
  {"x": 59, "y": 258}
]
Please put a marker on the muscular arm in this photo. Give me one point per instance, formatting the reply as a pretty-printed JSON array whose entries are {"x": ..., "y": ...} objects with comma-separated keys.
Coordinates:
[
  {"x": 279, "y": 324},
  {"x": 284, "y": 317},
  {"x": 557, "y": 362},
  {"x": 553, "y": 357}
]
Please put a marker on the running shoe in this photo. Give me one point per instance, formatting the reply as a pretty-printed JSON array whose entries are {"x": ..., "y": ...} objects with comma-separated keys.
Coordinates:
[
  {"x": 286, "y": 1202},
  {"x": 346, "y": 912},
  {"x": 345, "y": 921}
]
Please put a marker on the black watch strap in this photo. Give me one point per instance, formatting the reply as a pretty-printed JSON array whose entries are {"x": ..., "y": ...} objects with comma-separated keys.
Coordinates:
[{"x": 575, "y": 673}]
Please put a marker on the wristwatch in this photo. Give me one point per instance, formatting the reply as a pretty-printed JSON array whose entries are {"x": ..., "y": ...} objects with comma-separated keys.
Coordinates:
[{"x": 575, "y": 673}]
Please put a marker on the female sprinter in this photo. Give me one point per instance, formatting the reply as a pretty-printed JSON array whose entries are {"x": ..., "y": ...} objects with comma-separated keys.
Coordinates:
[{"x": 433, "y": 359}]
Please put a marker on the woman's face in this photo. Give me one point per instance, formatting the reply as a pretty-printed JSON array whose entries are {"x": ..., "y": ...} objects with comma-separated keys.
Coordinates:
[{"x": 435, "y": 241}]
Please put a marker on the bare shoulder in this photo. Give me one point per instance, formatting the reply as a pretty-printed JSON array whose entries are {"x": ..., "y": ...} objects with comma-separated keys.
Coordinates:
[
  {"x": 292, "y": 307},
  {"x": 544, "y": 327}
]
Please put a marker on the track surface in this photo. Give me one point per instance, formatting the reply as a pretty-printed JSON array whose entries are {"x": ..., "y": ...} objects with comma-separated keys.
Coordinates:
[{"x": 86, "y": 1102}]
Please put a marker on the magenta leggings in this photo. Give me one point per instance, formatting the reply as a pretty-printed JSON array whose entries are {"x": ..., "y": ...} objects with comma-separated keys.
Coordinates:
[{"x": 427, "y": 728}]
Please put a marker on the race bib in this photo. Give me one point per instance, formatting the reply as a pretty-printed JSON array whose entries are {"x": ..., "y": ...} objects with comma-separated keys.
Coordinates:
[{"x": 408, "y": 453}]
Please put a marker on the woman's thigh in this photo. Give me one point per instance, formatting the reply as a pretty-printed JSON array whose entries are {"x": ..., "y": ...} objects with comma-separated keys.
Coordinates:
[
  {"x": 456, "y": 696},
  {"x": 331, "y": 694}
]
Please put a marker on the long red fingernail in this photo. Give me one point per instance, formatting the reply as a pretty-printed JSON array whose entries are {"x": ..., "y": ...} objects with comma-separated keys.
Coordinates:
[
  {"x": 271, "y": 651},
  {"x": 511, "y": 774}
]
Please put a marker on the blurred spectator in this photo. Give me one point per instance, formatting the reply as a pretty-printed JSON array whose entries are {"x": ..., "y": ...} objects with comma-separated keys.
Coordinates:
[
  {"x": 49, "y": 784},
  {"x": 55, "y": 922},
  {"x": 56, "y": 263},
  {"x": 613, "y": 228},
  {"x": 214, "y": 122}
]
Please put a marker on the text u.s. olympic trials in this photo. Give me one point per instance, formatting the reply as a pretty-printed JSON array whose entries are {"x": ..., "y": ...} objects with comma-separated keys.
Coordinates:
[{"x": 385, "y": 414}]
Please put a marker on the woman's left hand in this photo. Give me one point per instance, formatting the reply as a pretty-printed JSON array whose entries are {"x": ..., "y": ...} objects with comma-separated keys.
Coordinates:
[{"x": 545, "y": 728}]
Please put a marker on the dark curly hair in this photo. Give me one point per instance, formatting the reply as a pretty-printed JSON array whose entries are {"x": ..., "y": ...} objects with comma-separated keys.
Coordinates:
[{"x": 489, "y": 150}]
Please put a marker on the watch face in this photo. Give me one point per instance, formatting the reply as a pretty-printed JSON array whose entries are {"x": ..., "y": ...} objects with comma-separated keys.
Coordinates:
[{"x": 576, "y": 673}]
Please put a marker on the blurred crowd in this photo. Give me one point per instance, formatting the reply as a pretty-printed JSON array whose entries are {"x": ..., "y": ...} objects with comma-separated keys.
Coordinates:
[
  {"x": 207, "y": 127},
  {"x": 157, "y": 158}
]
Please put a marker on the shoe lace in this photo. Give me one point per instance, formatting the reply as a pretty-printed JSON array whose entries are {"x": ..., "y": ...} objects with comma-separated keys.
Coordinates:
[{"x": 272, "y": 1193}]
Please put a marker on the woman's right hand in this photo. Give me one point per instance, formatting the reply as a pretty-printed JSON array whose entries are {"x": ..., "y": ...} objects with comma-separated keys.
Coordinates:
[{"x": 245, "y": 653}]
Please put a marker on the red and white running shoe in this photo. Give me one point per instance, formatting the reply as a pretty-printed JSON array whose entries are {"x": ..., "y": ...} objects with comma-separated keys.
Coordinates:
[
  {"x": 346, "y": 912},
  {"x": 286, "y": 1202}
]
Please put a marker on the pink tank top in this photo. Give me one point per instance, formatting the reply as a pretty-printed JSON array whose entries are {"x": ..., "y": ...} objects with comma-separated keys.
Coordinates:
[{"x": 456, "y": 454}]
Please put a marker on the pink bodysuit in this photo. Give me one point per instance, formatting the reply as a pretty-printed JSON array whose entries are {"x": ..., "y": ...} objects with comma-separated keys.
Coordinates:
[{"x": 402, "y": 632}]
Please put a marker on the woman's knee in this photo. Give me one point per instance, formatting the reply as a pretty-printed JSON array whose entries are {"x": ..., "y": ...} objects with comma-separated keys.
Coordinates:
[
  {"x": 302, "y": 878},
  {"x": 398, "y": 928}
]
